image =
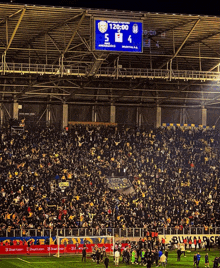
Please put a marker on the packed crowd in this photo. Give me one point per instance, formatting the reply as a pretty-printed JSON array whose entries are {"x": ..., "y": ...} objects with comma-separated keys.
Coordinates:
[{"x": 174, "y": 173}]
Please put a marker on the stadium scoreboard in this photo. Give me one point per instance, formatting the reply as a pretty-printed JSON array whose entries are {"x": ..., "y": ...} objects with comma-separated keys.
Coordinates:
[{"x": 118, "y": 35}]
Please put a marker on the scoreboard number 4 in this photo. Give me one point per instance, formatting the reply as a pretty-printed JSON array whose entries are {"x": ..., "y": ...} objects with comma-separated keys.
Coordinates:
[{"x": 129, "y": 39}]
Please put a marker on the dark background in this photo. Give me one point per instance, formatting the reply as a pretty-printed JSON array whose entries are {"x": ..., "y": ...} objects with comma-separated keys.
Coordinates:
[{"x": 163, "y": 6}]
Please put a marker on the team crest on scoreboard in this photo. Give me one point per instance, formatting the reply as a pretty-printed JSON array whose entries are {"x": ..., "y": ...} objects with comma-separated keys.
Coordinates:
[
  {"x": 135, "y": 28},
  {"x": 103, "y": 26}
]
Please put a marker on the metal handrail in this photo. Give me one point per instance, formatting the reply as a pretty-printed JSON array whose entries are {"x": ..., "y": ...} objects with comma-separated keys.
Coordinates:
[
  {"x": 117, "y": 232},
  {"x": 78, "y": 70}
]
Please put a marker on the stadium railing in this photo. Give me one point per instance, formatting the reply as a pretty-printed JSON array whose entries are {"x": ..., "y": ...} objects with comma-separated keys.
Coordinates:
[
  {"x": 80, "y": 70},
  {"x": 117, "y": 232}
]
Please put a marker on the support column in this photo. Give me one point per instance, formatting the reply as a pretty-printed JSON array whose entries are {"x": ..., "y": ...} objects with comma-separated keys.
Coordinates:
[
  {"x": 204, "y": 116},
  {"x": 112, "y": 113},
  {"x": 183, "y": 118},
  {"x": 15, "y": 109},
  {"x": 65, "y": 116},
  {"x": 138, "y": 117},
  {"x": 158, "y": 116},
  {"x": 2, "y": 114},
  {"x": 94, "y": 114},
  {"x": 48, "y": 115}
]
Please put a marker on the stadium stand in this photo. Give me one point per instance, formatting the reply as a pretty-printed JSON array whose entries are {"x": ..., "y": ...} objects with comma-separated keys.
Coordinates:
[{"x": 174, "y": 172}]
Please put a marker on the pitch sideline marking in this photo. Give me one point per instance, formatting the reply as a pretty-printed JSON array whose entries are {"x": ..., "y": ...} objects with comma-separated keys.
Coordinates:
[{"x": 23, "y": 260}]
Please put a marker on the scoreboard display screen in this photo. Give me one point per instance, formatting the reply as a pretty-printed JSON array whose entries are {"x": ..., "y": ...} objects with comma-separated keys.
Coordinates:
[{"x": 120, "y": 36}]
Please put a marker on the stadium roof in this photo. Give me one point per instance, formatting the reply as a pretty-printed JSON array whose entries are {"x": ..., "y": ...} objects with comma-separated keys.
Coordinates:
[{"x": 47, "y": 56}]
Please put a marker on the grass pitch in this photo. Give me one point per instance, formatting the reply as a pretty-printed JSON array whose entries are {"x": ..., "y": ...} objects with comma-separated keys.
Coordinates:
[{"x": 75, "y": 261}]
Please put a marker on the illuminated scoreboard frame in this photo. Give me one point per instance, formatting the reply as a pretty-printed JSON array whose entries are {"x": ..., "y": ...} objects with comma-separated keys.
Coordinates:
[{"x": 118, "y": 35}]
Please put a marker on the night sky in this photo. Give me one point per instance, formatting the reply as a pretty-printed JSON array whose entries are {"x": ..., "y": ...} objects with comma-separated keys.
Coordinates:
[{"x": 162, "y": 6}]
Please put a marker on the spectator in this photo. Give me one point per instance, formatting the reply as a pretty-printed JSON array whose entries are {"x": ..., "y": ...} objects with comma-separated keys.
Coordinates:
[
  {"x": 182, "y": 248},
  {"x": 117, "y": 257},
  {"x": 84, "y": 254},
  {"x": 190, "y": 243},
  {"x": 106, "y": 261},
  {"x": 195, "y": 260},
  {"x": 163, "y": 243},
  {"x": 195, "y": 243},
  {"x": 163, "y": 260},
  {"x": 207, "y": 244},
  {"x": 215, "y": 262},
  {"x": 98, "y": 255},
  {"x": 198, "y": 256},
  {"x": 143, "y": 251},
  {"x": 207, "y": 260},
  {"x": 157, "y": 257},
  {"x": 199, "y": 242},
  {"x": 166, "y": 254},
  {"x": 178, "y": 254},
  {"x": 181, "y": 161},
  {"x": 127, "y": 256}
]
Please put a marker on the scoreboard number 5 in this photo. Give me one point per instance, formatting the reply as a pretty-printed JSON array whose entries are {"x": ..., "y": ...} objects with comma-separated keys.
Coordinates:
[
  {"x": 106, "y": 37},
  {"x": 130, "y": 39}
]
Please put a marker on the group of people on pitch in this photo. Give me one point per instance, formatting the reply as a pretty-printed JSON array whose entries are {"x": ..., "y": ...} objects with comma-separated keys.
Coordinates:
[
  {"x": 98, "y": 254},
  {"x": 132, "y": 254},
  {"x": 197, "y": 257}
]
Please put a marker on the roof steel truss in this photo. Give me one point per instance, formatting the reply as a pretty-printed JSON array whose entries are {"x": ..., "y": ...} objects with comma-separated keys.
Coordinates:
[{"x": 53, "y": 45}]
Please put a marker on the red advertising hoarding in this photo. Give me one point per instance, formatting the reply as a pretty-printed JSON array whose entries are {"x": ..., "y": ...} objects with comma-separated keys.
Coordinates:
[{"x": 48, "y": 249}]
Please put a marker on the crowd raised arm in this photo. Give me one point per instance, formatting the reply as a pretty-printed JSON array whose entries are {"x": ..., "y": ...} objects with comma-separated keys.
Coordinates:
[{"x": 174, "y": 173}]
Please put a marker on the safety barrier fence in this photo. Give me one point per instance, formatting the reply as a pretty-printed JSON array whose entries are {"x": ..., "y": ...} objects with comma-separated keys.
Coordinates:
[
  {"x": 78, "y": 70},
  {"x": 117, "y": 232}
]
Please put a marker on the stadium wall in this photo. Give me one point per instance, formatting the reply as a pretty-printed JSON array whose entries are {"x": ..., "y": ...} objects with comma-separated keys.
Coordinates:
[
  {"x": 39, "y": 245},
  {"x": 43, "y": 240},
  {"x": 176, "y": 238},
  {"x": 130, "y": 116}
]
